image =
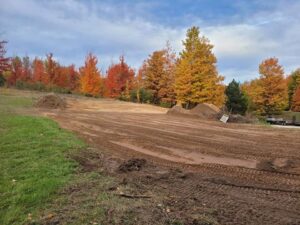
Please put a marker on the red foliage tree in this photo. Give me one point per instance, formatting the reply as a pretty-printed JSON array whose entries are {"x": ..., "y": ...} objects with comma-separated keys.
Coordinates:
[{"x": 119, "y": 78}]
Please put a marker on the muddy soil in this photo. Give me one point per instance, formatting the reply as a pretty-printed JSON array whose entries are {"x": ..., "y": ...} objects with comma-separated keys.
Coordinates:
[{"x": 234, "y": 173}]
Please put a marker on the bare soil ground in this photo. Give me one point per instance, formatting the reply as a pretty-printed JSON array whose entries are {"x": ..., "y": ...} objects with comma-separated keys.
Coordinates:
[{"x": 188, "y": 171}]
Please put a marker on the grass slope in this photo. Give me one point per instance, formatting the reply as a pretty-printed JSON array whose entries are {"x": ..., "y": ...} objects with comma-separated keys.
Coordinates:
[{"x": 33, "y": 163}]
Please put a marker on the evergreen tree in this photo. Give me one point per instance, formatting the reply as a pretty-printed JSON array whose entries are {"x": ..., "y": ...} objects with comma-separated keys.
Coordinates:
[
  {"x": 236, "y": 99},
  {"x": 197, "y": 79}
]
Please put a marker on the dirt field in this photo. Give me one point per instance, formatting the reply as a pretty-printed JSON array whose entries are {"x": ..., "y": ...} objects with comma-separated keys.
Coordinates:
[{"x": 228, "y": 173}]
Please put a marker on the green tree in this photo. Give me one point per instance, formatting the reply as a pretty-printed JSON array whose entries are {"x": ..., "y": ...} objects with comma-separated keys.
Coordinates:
[
  {"x": 236, "y": 101},
  {"x": 197, "y": 79}
]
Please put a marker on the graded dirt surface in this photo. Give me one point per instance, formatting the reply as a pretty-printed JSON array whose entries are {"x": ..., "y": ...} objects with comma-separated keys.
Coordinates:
[
  {"x": 246, "y": 174},
  {"x": 176, "y": 170}
]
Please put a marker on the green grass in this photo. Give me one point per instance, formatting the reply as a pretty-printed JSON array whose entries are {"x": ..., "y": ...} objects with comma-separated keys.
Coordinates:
[{"x": 33, "y": 162}]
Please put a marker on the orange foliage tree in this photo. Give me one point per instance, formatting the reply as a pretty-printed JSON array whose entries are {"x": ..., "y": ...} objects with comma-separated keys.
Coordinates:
[
  {"x": 16, "y": 71},
  {"x": 26, "y": 70},
  {"x": 272, "y": 96},
  {"x": 50, "y": 68},
  {"x": 119, "y": 77},
  {"x": 296, "y": 100},
  {"x": 158, "y": 72},
  {"x": 91, "y": 82},
  {"x": 39, "y": 74}
]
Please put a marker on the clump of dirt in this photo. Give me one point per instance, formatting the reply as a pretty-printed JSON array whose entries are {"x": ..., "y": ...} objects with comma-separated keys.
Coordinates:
[
  {"x": 202, "y": 110},
  {"x": 51, "y": 101},
  {"x": 277, "y": 164},
  {"x": 266, "y": 165},
  {"x": 134, "y": 164}
]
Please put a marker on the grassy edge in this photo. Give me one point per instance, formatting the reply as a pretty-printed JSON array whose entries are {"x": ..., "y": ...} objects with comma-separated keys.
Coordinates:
[{"x": 34, "y": 161}]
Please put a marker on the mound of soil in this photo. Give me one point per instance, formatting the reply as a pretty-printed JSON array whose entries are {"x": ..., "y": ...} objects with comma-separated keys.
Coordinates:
[
  {"x": 179, "y": 111},
  {"x": 51, "y": 101},
  {"x": 134, "y": 164},
  {"x": 206, "y": 111},
  {"x": 203, "y": 111}
]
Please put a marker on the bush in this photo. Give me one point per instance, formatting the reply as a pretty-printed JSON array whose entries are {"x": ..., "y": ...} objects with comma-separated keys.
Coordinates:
[
  {"x": 146, "y": 96},
  {"x": 58, "y": 89},
  {"x": 2, "y": 80},
  {"x": 166, "y": 104}
]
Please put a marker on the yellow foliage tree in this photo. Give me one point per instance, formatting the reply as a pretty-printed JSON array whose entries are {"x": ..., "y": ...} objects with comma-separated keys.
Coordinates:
[{"x": 197, "y": 79}]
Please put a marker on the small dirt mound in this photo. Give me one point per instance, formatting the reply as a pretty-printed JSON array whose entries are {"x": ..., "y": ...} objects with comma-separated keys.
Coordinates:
[
  {"x": 206, "y": 111},
  {"x": 51, "y": 101},
  {"x": 132, "y": 165},
  {"x": 179, "y": 111},
  {"x": 203, "y": 111}
]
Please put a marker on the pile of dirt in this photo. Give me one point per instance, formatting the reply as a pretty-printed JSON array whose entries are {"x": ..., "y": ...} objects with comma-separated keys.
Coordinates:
[
  {"x": 134, "y": 164},
  {"x": 177, "y": 110},
  {"x": 51, "y": 101},
  {"x": 206, "y": 111},
  {"x": 203, "y": 111}
]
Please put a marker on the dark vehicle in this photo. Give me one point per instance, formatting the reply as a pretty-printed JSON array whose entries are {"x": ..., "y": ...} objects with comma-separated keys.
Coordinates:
[{"x": 282, "y": 121}]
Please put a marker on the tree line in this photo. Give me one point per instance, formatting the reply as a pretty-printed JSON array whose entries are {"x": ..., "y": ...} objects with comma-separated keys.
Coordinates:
[{"x": 164, "y": 79}]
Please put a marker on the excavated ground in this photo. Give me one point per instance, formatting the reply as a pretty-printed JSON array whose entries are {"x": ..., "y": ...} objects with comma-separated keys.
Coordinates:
[{"x": 246, "y": 174}]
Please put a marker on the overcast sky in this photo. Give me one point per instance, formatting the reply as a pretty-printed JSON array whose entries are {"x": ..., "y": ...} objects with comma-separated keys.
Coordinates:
[{"x": 243, "y": 32}]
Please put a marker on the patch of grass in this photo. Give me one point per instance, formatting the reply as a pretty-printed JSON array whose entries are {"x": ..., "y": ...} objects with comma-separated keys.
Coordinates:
[{"x": 33, "y": 163}]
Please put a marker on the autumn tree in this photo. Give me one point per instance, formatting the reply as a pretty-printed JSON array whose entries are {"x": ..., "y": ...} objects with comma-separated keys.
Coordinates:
[
  {"x": 296, "y": 100},
  {"x": 15, "y": 71},
  {"x": 26, "y": 70},
  {"x": 119, "y": 78},
  {"x": 39, "y": 75},
  {"x": 166, "y": 92},
  {"x": 293, "y": 84},
  {"x": 272, "y": 96},
  {"x": 90, "y": 81},
  {"x": 252, "y": 90},
  {"x": 197, "y": 78},
  {"x": 236, "y": 101},
  {"x": 50, "y": 68},
  {"x": 139, "y": 83},
  {"x": 4, "y": 62},
  {"x": 73, "y": 78},
  {"x": 158, "y": 72}
]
